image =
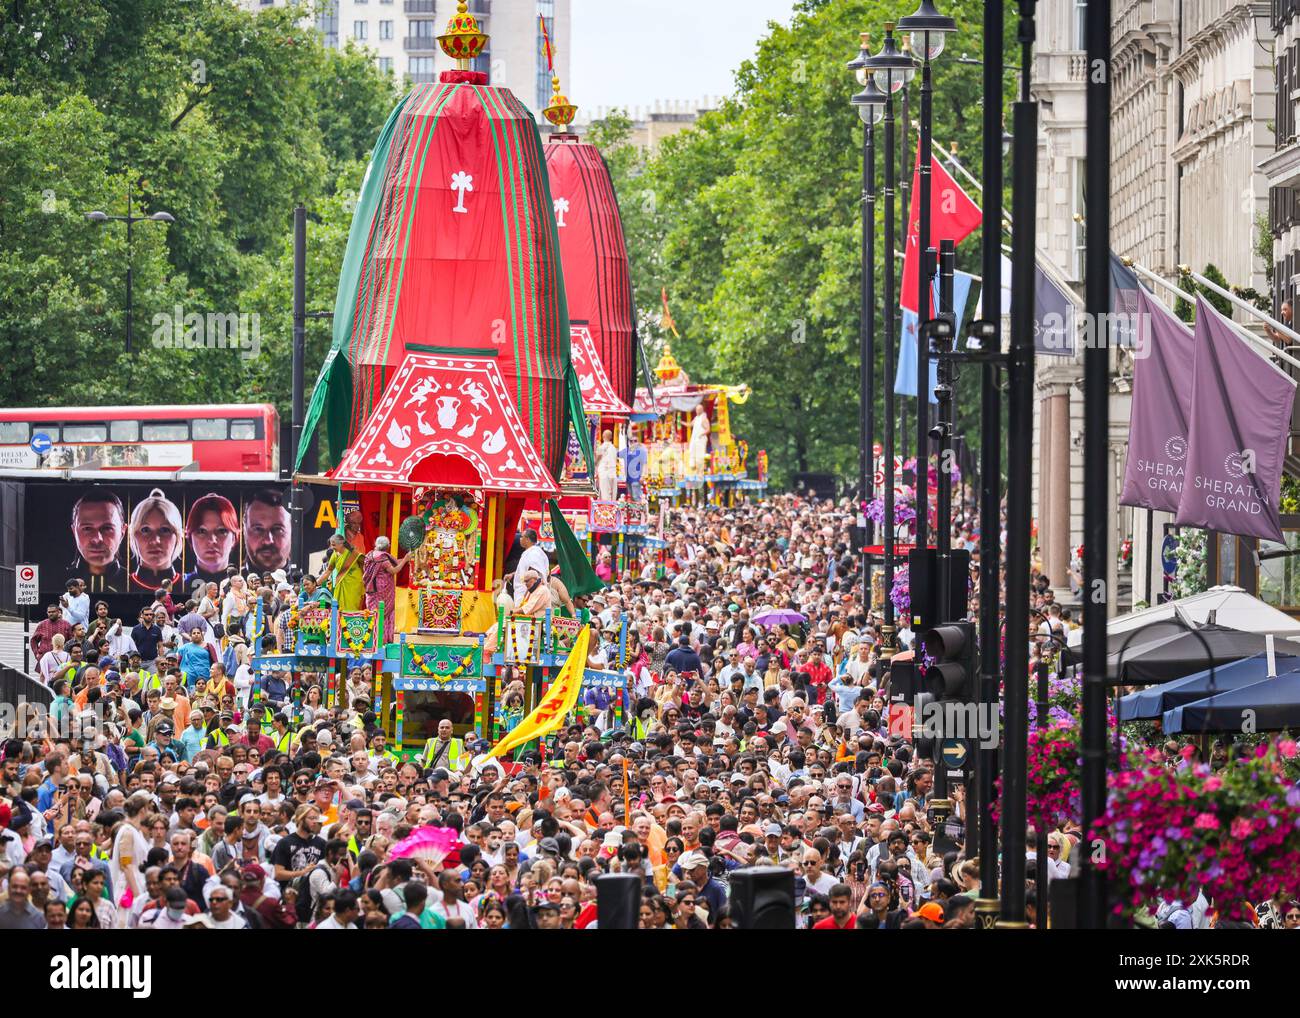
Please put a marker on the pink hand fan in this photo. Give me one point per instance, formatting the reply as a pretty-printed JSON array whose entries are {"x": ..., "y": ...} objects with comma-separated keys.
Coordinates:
[{"x": 432, "y": 844}]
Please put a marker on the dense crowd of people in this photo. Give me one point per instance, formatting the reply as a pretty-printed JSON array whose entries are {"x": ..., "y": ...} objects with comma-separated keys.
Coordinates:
[{"x": 172, "y": 786}]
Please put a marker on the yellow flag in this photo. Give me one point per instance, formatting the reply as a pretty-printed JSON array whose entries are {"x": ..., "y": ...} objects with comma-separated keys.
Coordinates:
[{"x": 558, "y": 701}]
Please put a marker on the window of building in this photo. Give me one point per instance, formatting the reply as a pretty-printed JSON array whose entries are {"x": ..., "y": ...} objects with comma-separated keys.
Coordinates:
[
  {"x": 1079, "y": 210},
  {"x": 327, "y": 21},
  {"x": 1279, "y": 571},
  {"x": 423, "y": 29},
  {"x": 165, "y": 431},
  {"x": 385, "y": 30},
  {"x": 546, "y": 10},
  {"x": 420, "y": 68},
  {"x": 386, "y": 65},
  {"x": 1227, "y": 559},
  {"x": 85, "y": 433},
  {"x": 1080, "y": 24},
  {"x": 124, "y": 431},
  {"x": 360, "y": 30}
]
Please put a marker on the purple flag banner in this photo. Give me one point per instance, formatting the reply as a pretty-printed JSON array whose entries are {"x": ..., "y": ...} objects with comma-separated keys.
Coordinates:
[
  {"x": 1162, "y": 397},
  {"x": 1240, "y": 418}
]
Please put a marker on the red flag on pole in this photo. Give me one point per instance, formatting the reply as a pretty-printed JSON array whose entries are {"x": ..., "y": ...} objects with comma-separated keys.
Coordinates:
[
  {"x": 953, "y": 216},
  {"x": 548, "y": 50}
]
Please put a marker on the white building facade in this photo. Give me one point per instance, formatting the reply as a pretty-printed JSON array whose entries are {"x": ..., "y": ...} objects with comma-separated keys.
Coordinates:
[{"x": 403, "y": 35}]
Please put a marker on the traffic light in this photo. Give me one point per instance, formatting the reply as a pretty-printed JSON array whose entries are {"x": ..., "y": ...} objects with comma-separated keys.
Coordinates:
[
  {"x": 952, "y": 652},
  {"x": 923, "y": 584}
]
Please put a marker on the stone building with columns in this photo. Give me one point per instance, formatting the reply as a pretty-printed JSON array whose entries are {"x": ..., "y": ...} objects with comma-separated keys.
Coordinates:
[{"x": 1193, "y": 102}]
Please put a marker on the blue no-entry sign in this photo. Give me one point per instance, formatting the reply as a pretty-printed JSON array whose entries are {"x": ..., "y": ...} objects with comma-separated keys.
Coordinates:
[{"x": 41, "y": 443}]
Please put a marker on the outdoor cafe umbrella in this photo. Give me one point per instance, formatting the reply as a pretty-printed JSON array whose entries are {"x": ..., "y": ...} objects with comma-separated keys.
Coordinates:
[
  {"x": 1129, "y": 641},
  {"x": 1183, "y": 652},
  {"x": 1273, "y": 704},
  {"x": 1146, "y": 704}
]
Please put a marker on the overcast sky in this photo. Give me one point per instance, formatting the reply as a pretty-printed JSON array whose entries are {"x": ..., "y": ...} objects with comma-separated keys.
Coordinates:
[{"x": 632, "y": 52}]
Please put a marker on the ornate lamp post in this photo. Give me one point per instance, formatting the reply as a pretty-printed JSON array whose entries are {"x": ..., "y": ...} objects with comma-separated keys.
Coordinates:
[
  {"x": 890, "y": 69},
  {"x": 870, "y": 104},
  {"x": 929, "y": 31}
]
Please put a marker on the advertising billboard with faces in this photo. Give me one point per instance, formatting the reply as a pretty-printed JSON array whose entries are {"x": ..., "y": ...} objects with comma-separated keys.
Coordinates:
[{"x": 132, "y": 538}]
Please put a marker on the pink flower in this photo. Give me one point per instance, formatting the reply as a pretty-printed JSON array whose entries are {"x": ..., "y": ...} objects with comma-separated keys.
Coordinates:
[
  {"x": 1207, "y": 822},
  {"x": 1213, "y": 784},
  {"x": 1287, "y": 747}
]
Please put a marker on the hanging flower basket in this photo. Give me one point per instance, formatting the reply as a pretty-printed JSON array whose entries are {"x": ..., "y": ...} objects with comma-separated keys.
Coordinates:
[
  {"x": 901, "y": 593},
  {"x": 1234, "y": 834},
  {"x": 904, "y": 508}
]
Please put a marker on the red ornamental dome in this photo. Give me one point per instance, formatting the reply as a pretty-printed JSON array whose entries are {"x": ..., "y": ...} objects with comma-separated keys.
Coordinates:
[
  {"x": 453, "y": 248},
  {"x": 592, "y": 247}
]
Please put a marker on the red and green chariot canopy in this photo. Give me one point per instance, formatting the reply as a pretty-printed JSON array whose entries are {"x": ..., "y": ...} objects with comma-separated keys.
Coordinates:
[
  {"x": 453, "y": 249},
  {"x": 597, "y": 280}
]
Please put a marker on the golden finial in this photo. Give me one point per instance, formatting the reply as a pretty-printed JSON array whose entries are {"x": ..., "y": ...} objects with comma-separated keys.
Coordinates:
[{"x": 463, "y": 41}]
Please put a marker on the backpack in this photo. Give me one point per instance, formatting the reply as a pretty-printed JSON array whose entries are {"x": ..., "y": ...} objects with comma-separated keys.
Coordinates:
[{"x": 306, "y": 901}]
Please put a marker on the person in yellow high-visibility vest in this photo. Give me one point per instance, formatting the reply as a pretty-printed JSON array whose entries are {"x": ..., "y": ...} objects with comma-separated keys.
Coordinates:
[
  {"x": 220, "y": 735},
  {"x": 380, "y": 754},
  {"x": 281, "y": 737},
  {"x": 444, "y": 751}
]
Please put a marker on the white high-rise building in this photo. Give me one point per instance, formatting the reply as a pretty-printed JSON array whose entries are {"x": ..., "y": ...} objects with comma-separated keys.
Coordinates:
[{"x": 403, "y": 34}]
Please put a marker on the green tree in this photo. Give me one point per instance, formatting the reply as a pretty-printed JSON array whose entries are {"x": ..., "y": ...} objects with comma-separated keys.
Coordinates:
[
  {"x": 757, "y": 231},
  {"x": 225, "y": 118},
  {"x": 62, "y": 321},
  {"x": 1186, "y": 310}
]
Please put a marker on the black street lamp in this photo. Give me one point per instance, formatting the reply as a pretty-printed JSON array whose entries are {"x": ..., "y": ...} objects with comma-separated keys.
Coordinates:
[
  {"x": 1019, "y": 481},
  {"x": 1096, "y": 479},
  {"x": 890, "y": 69},
  {"x": 870, "y": 104},
  {"x": 130, "y": 220},
  {"x": 988, "y": 332},
  {"x": 929, "y": 31}
]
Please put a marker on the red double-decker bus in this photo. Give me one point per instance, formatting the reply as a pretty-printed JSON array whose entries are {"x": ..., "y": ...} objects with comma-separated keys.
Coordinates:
[{"x": 235, "y": 442}]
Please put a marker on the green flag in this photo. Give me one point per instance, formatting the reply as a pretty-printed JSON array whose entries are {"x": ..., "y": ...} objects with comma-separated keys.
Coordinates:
[
  {"x": 578, "y": 419},
  {"x": 575, "y": 567}
]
